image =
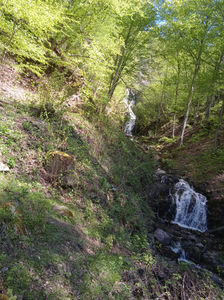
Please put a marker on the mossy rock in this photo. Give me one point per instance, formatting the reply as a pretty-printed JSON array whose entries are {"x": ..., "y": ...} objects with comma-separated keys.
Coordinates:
[{"x": 61, "y": 166}]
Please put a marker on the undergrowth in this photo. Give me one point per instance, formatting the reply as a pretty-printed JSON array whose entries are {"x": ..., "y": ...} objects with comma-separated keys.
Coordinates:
[{"x": 88, "y": 240}]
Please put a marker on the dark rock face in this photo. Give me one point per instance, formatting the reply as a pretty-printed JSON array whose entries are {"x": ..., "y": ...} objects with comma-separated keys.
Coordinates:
[
  {"x": 159, "y": 195},
  {"x": 162, "y": 236},
  {"x": 203, "y": 249}
]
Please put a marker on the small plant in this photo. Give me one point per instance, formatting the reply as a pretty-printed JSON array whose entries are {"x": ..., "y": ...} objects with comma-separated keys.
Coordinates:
[
  {"x": 19, "y": 278},
  {"x": 11, "y": 162},
  {"x": 168, "y": 140},
  {"x": 27, "y": 126}
]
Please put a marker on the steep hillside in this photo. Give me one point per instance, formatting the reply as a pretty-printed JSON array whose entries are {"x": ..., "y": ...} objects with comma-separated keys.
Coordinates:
[{"x": 73, "y": 211}]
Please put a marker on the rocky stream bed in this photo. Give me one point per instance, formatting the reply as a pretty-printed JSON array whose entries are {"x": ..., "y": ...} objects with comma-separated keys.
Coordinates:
[{"x": 200, "y": 249}]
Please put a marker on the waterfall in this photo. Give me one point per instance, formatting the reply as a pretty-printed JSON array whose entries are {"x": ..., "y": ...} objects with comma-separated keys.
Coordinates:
[
  {"x": 176, "y": 248},
  {"x": 130, "y": 102},
  {"x": 191, "y": 209}
]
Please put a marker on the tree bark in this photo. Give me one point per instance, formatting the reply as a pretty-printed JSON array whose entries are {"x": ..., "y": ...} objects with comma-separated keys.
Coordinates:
[
  {"x": 210, "y": 98},
  {"x": 120, "y": 63},
  {"x": 219, "y": 125},
  {"x": 176, "y": 97},
  {"x": 191, "y": 93}
]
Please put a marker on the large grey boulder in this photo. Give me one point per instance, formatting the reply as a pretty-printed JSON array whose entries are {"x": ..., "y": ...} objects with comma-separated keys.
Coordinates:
[{"x": 162, "y": 236}]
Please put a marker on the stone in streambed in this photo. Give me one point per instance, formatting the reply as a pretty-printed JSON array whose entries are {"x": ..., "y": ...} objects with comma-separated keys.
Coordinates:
[{"x": 162, "y": 237}]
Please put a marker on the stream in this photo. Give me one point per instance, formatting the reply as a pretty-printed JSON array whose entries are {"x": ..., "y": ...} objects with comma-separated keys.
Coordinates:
[
  {"x": 181, "y": 224},
  {"x": 130, "y": 101}
]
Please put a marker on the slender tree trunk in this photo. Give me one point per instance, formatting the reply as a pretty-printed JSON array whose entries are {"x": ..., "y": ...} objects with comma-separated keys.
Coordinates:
[
  {"x": 208, "y": 106},
  {"x": 210, "y": 98},
  {"x": 176, "y": 97},
  {"x": 187, "y": 115},
  {"x": 119, "y": 65},
  {"x": 190, "y": 95},
  {"x": 219, "y": 125},
  {"x": 174, "y": 126}
]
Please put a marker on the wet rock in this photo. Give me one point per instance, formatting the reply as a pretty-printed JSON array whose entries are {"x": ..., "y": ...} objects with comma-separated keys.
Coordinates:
[
  {"x": 194, "y": 254},
  {"x": 162, "y": 236},
  {"x": 200, "y": 245},
  {"x": 166, "y": 252},
  {"x": 160, "y": 172},
  {"x": 3, "y": 167},
  {"x": 158, "y": 189}
]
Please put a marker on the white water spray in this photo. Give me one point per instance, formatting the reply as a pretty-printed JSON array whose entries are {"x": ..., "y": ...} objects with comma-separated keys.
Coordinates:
[
  {"x": 130, "y": 102},
  {"x": 176, "y": 248},
  {"x": 191, "y": 210}
]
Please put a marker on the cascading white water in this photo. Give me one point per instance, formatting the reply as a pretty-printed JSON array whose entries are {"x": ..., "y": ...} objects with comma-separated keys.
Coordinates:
[
  {"x": 130, "y": 102},
  {"x": 191, "y": 209},
  {"x": 176, "y": 248}
]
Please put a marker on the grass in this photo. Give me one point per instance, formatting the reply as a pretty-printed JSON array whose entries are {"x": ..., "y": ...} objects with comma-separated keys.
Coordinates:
[{"x": 96, "y": 247}]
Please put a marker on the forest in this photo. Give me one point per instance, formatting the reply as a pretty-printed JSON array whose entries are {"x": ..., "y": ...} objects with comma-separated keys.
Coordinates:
[{"x": 86, "y": 207}]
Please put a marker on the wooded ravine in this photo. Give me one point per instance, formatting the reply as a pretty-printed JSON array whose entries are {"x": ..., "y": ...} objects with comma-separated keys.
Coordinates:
[{"x": 111, "y": 149}]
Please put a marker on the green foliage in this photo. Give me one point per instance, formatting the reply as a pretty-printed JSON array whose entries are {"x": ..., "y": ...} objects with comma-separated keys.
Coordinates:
[
  {"x": 19, "y": 277},
  {"x": 32, "y": 207},
  {"x": 168, "y": 140},
  {"x": 26, "y": 27}
]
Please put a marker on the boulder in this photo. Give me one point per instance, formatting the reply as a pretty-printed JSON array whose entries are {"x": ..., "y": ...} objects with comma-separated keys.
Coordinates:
[
  {"x": 157, "y": 189},
  {"x": 61, "y": 166},
  {"x": 3, "y": 167},
  {"x": 162, "y": 236},
  {"x": 160, "y": 172}
]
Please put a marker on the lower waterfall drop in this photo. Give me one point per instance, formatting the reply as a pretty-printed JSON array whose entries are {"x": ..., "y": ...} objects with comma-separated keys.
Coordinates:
[
  {"x": 130, "y": 102},
  {"x": 191, "y": 211}
]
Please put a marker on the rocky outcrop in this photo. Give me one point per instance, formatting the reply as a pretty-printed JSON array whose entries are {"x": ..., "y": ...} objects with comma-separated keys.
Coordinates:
[
  {"x": 159, "y": 194},
  {"x": 200, "y": 250}
]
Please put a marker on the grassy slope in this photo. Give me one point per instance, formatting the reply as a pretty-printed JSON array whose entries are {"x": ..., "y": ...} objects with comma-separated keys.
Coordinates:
[{"x": 100, "y": 249}]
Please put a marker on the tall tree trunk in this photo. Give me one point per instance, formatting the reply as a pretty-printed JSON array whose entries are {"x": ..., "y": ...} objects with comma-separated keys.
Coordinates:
[
  {"x": 120, "y": 63},
  {"x": 208, "y": 106},
  {"x": 190, "y": 97},
  {"x": 176, "y": 96},
  {"x": 221, "y": 113},
  {"x": 191, "y": 93},
  {"x": 210, "y": 98}
]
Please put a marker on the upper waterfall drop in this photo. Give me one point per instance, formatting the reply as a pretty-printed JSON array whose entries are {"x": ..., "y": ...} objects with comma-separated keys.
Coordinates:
[
  {"x": 191, "y": 211},
  {"x": 130, "y": 101}
]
